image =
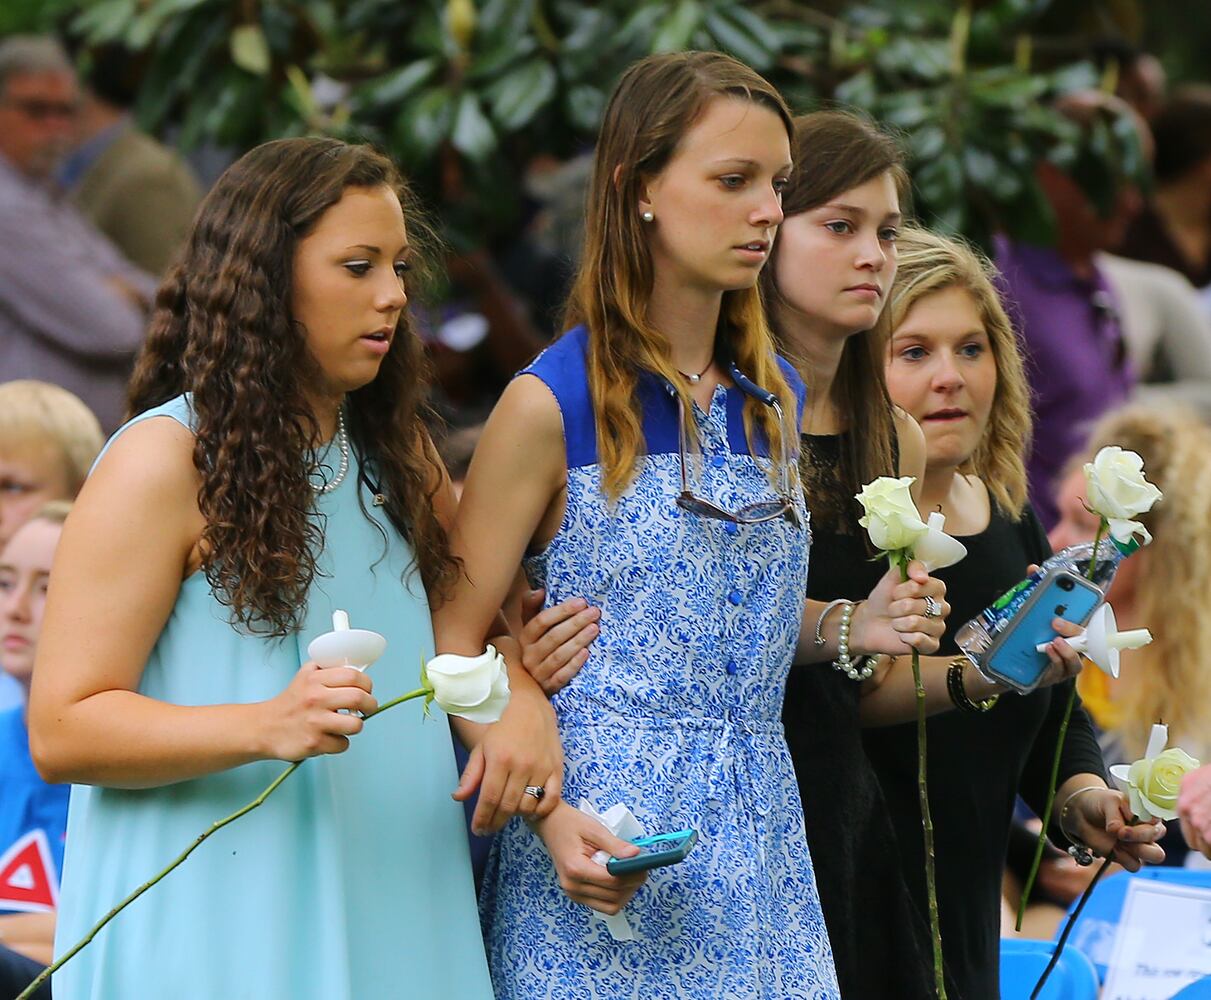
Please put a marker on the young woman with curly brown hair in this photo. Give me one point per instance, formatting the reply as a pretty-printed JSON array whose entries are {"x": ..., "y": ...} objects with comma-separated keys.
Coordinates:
[{"x": 276, "y": 469}]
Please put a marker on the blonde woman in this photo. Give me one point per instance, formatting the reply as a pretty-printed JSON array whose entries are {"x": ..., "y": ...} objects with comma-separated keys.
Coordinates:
[
  {"x": 1163, "y": 587},
  {"x": 953, "y": 365}
]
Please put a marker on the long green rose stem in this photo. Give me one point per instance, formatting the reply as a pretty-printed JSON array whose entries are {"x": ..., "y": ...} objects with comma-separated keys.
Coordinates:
[
  {"x": 215, "y": 827},
  {"x": 1059, "y": 945},
  {"x": 931, "y": 888},
  {"x": 1041, "y": 843}
]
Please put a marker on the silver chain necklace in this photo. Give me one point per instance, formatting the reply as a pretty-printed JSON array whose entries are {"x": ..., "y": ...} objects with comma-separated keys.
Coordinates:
[{"x": 342, "y": 441}]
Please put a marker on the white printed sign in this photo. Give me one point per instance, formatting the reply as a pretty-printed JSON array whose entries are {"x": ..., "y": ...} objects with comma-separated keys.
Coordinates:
[{"x": 1163, "y": 941}]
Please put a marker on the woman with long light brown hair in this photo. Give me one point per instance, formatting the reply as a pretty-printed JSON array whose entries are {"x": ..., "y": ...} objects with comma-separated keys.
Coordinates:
[{"x": 645, "y": 462}]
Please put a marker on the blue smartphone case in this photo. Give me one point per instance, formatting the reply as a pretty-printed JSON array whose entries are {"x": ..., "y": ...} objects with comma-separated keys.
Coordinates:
[
  {"x": 1013, "y": 658},
  {"x": 659, "y": 851}
]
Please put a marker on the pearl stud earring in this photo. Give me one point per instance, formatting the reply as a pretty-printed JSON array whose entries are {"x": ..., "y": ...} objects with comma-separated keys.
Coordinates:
[{"x": 647, "y": 216}]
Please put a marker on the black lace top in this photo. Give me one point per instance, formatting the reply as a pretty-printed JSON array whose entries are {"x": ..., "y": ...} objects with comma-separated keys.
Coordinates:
[{"x": 879, "y": 938}]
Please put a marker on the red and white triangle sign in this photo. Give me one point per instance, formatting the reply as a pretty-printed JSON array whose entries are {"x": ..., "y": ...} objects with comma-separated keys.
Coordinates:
[{"x": 27, "y": 875}]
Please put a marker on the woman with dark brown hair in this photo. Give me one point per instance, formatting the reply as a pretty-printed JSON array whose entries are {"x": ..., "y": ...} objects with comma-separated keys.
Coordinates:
[
  {"x": 825, "y": 287},
  {"x": 276, "y": 469}
]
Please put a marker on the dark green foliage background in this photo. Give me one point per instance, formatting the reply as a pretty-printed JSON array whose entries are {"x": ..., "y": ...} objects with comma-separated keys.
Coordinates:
[{"x": 464, "y": 93}]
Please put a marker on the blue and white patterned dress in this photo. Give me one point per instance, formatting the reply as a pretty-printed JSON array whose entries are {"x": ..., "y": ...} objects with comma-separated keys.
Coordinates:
[{"x": 677, "y": 713}]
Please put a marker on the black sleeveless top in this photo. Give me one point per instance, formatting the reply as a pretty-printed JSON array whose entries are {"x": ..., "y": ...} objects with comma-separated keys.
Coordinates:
[{"x": 880, "y": 939}]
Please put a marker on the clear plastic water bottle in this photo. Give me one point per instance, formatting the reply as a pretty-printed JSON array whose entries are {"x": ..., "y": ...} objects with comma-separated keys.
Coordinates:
[{"x": 977, "y": 635}]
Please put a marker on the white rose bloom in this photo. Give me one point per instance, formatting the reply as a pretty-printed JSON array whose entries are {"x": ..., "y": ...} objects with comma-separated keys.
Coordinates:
[
  {"x": 1119, "y": 492},
  {"x": 473, "y": 687},
  {"x": 1154, "y": 783},
  {"x": 891, "y": 517}
]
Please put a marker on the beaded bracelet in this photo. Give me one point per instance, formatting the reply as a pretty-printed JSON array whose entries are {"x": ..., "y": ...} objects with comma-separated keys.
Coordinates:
[
  {"x": 856, "y": 670},
  {"x": 958, "y": 692},
  {"x": 819, "y": 637}
]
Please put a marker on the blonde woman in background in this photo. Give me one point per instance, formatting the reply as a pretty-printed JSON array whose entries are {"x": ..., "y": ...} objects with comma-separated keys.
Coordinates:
[
  {"x": 49, "y": 439},
  {"x": 1163, "y": 587}
]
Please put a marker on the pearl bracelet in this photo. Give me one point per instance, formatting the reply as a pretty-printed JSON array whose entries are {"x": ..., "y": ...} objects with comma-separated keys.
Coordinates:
[{"x": 856, "y": 670}]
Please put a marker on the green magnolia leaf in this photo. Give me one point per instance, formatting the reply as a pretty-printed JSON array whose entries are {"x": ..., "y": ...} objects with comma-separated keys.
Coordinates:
[
  {"x": 397, "y": 86},
  {"x": 859, "y": 90},
  {"x": 1007, "y": 90},
  {"x": 177, "y": 65},
  {"x": 503, "y": 21},
  {"x": 142, "y": 30},
  {"x": 738, "y": 41},
  {"x": 989, "y": 172},
  {"x": 585, "y": 105},
  {"x": 940, "y": 184},
  {"x": 1079, "y": 76},
  {"x": 927, "y": 142},
  {"x": 926, "y": 59},
  {"x": 517, "y": 97},
  {"x": 425, "y": 123},
  {"x": 234, "y": 118},
  {"x": 165, "y": 8},
  {"x": 640, "y": 26},
  {"x": 590, "y": 27},
  {"x": 908, "y": 110},
  {"x": 105, "y": 21},
  {"x": 473, "y": 135},
  {"x": 504, "y": 55},
  {"x": 301, "y": 93},
  {"x": 1029, "y": 218},
  {"x": 762, "y": 31},
  {"x": 675, "y": 33},
  {"x": 249, "y": 50}
]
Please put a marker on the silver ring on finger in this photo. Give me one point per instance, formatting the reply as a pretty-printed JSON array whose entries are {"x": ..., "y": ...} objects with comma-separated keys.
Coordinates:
[
  {"x": 537, "y": 792},
  {"x": 933, "y": 609}
]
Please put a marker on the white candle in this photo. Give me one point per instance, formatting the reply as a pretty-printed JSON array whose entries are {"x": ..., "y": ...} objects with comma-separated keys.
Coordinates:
[
  {"x": 1132, "y": 638},
  {"x": 340, "y": 621},
  {"x": 1157, "y": 740}
]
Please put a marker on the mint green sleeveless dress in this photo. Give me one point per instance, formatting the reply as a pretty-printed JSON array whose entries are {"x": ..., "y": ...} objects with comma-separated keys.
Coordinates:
[{"x": 351, "y": 882}]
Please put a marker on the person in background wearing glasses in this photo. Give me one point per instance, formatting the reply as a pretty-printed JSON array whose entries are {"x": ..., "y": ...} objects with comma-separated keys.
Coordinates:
[
  {"x": 645, "y": 464},
  {"x": 72, "y": 308}
]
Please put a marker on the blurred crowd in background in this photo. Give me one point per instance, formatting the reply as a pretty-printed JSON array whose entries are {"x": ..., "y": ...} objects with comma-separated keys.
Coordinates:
[{"x": 1083, "y": 170}]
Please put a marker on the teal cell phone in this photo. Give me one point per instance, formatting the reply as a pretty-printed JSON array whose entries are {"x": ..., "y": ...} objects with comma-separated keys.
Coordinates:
[
  {"x": 1013, "y": 658},
  {"x": 656, "y": 852}
]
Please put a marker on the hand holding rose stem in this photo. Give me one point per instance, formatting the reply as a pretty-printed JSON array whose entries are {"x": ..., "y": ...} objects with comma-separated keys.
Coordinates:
[
  {"x": 1117, "y": 493},
  {"x": 476, "y": 688},
  {"x": 896, "y": 529},
  {"x": 1152, "y": 784}
]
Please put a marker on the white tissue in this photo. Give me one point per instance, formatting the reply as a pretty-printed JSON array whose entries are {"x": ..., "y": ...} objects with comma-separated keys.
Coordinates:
[{"x": 621, "y": 822}]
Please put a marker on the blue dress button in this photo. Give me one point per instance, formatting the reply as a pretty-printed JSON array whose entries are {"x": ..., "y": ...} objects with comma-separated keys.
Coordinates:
[
  {"x": 731, "y": 527},
  {"x": 735, "y": 597},
  {"x": 718, "y": 461},
  {"x": 731, "y": 668}
]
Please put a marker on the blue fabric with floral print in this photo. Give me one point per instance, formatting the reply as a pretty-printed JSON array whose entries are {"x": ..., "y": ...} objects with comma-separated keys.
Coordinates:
[{"x": 677, "y": 714}]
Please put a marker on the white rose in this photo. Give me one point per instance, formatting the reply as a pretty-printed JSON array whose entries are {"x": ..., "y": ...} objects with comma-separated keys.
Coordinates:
[
  {"x": 473, "y": 687},
  {"x": 891, "y": 517},
  {"x": 1119, "y": 492},
  {"x": 1153, "y": 783}
]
